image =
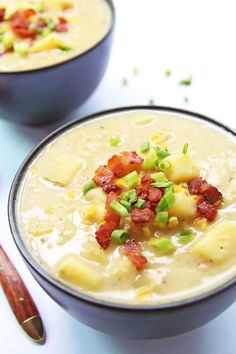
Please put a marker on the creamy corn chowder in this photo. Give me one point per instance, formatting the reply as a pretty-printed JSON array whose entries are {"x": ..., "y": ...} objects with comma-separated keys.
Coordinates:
[
  {"x": 35, "y": 33},
  {"x": 135, "y": 207}
]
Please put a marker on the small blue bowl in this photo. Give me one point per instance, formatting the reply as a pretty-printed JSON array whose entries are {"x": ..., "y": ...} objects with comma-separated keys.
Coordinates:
[{"x": 50, "y": 93}]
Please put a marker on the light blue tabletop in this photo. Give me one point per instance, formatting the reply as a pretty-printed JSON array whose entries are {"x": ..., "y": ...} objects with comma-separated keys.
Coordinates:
[{"x": 190, "y": 38}]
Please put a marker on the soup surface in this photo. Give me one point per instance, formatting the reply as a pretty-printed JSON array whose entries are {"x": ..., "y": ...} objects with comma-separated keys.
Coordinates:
[
  {"x": 35, "y": 33},
  {"x": 135, "y": 207}
]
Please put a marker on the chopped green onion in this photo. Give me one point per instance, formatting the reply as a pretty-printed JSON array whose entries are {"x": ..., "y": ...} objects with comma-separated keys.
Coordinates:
[
  {"x": 185, "y": 236},
  {"x": 51, "y": 24},
  {"x": 132, "y": 179},
  {"x": 130, "y": 196},
  {"x": 151, "y": 102},
  {"x": 164, "y": 165},
  {"x": 140, "y": 203},
  {"x": 167, "y": 201},
  {"x": 168, "y": 72},
  {"x": 114, "y": 141},
  {"x": 163, "y": 244},
  {"x": 162, "y": 184},
  {"x": 162, "y": 217},
  {"x": 186, "y": 82},
  {"x": 119, "y": 236},
  {"x": 186, "y": 99},
  {"x": 64, "y": 47},
  {"x": 185, "y": 149},
  {"x": 119, "y": 208},
  {"x": 126, "y": 204},
  {"x": 40, "y": 7},
  {"x": 21, "y": 48},
  {"x": 144, "y": 147},
  {"x": 161, "y": 154},
  {"x": 88, "y": 186},
  {"x": 170, "y": 188},
  {"x": 46, "y": 31},
  {"x": 125, "y": 81},
  {"x": 159, "y": 177},
  {"x": 150, "y": 161}
]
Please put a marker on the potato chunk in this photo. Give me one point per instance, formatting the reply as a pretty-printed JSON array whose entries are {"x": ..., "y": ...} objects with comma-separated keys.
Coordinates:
[
  {"x": 184, "y": 206},
  {"x": 78, "y": 272},
  {"x": 182, "y": 168},
  {"x": 61, "y": 168},
  {"x": 219, "y": 243}
]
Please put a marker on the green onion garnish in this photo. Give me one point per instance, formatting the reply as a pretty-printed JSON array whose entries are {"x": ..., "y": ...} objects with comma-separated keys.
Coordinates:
[
  {"x": 168, "y": 72},
  {"x": 114, "y": 141},
  {"x": 164, "y": 165},
  {"x": 88, "y": 186},
  {"x": 130, "y": 196},
  {"x": 186, "y": 82},
  {"x": 125, "y": 81},
  {"x": 64, "y": 47},
  {"x": 140, "y": 203},
  {"x": 119, "y": 236},
  {"x": 161, "y": 154},
  {"x": 144, "y": 147},
  {"x": 162, "y": 217},
  {"x": 163, "y": 244},
  {"x": 159, "y": 177},
  {"x": 132, "y": 179},
  {"x": 150, "y": 161},
  {"x": 8, "y": 40},
  {"x": 186, "y": 99},
  {"x": 167, "y": 201},
  {"x": 119, "y": 208},
  {"x": 21, "y": 48},
  {"x": 185, "y": 236},
  {"x": 126, "y": 204},
  {"x": 162, "y": 184},
  {"x": 185, "y": 149}
]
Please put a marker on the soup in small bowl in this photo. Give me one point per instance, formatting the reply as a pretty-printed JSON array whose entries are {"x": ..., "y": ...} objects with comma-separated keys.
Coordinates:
[
  {"x": 49, "y": 49},
  {"x": 129, "y": 215}
]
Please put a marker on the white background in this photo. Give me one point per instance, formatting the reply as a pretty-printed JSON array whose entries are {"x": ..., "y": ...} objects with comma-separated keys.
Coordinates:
[{"x": 190, "y": 38}]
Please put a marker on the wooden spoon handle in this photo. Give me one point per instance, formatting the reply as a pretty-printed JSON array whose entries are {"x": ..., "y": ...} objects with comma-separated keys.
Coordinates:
[{"x": 20, "y": 300}]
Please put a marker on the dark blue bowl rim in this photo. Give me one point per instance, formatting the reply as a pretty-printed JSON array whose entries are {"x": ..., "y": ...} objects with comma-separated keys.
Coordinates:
[
  {"x": 31, "y": 261},
  {"x": 66, "y": 61}
]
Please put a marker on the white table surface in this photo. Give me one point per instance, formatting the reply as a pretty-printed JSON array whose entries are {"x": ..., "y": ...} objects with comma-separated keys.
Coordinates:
[{"x": 190, "y": 38}]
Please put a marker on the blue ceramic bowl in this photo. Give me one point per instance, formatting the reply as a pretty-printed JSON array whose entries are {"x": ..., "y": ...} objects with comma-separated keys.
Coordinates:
[
  {"x": 135, "y": 321},
  {"x": 51, "y": 93}
]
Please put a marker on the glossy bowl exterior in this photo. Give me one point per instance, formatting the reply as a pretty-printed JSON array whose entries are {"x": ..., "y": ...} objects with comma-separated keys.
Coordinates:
[
  {"x": 134, "y": 321},
  {"x": 51, "y": 93}
]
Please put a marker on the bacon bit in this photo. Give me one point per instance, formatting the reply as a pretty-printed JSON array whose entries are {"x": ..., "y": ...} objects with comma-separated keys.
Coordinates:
[
  {"x": 61, "y": 27},
  {"x": 5, "y": 51},
  {"x": 62, "y": 20},
  {"x": 206, "y": 209},
  {"x": 104, "y": 178},
  {"x": 2, "y": 14},
  {"x": 154, "y": 194},
  {"x": 126, "y": 162},
  {"x": 20, "y": 25},
  {"x": 146, "y": 180},
  {"x": 41, "y": 23},
  {"x": 111, "y": 217},
  {"x": 28, "y": 13},
  {"x": 133, "y": 250},
  {"x": 103, "y": 235},
  {"x": 210, "y": 193},
  {"x": 194, "y": 186},
  {"x": 141, "y": 216},
  {"x": 142, "y": 192},
  {"x": 112, "y": 221},
  {"x": 116, "y": 165}
]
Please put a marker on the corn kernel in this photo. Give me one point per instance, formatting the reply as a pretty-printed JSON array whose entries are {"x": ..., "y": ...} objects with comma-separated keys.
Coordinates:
[
  {"x": 147, "y": 232},
  {"x": 40, "y": 230},
  {"x": 120, "y": 183},
  {"x": 145, "y": 291},
  {"x": 160, "y": 137},
  {"x": 173, "y": 221},
  {"x": 201, "y": 223},
  {"x": 90, "y": 214},
  {"x": 70, "y": 194}
]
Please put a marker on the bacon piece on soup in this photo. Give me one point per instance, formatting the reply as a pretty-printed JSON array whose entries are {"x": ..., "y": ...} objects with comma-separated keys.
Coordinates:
[
  {"x": 28, "y": 13},
  {"x": 112, "y": 221},
  {"x": 61, "y": 26},
  {"x": 194, "y": 186},
  {"x": 20, "y": 24},
  {"x": 126, "y": 162},
  {"x": 141, "y": 216},
  {"x": 2, "y": 14},
  {"x": 103, "y": 235},
  {"x": 104, "y": 178},
  {"x": 210, "y": 193},
  {"x": 133, "y": 250},
  {"x": 206, "y": 209},
  {"x": 146, "y": 180},
  {"x": 41, "y": 23}
]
